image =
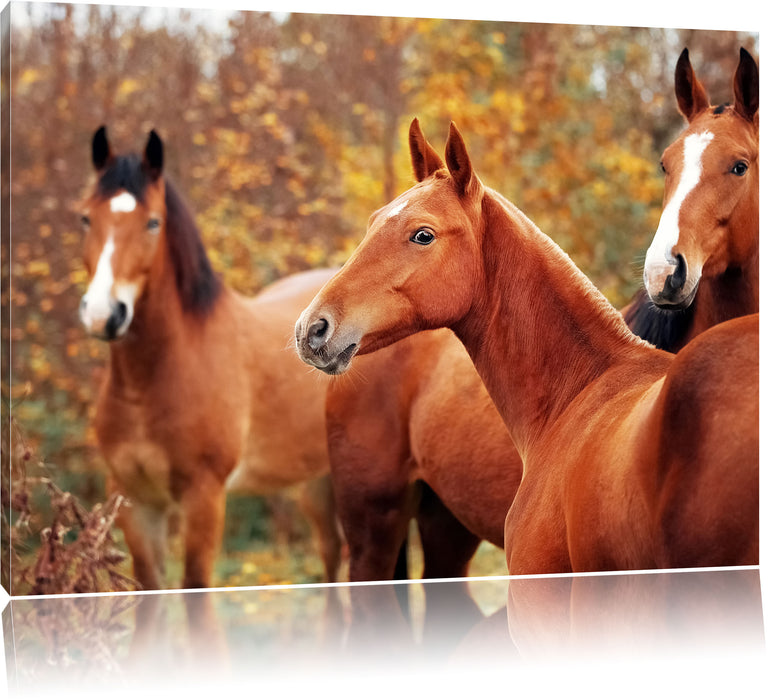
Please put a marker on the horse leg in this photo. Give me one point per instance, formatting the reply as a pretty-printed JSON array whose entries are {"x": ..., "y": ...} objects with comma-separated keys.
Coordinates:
[
  {"x": 373, "y": 495},
  {"x": 145, "y": 532},
  {"x": 317, "y": 503},
  {"x": 375, "y": 520},
  {"x": 448, "y": 546},
  {"x": 203, "y": 505}
]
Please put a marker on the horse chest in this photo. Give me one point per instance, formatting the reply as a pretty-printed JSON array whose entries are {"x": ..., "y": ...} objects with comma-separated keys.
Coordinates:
[{"x": 153, "y": 449}]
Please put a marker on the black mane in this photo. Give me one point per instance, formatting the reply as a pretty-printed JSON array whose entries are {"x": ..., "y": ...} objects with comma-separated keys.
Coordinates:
[
  {"x": 197, "y": 284},
  {"x": 663, "y": 328}
]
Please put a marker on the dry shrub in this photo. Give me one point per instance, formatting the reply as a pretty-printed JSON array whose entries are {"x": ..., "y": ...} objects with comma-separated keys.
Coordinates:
[{"x": 77, "y": 552}]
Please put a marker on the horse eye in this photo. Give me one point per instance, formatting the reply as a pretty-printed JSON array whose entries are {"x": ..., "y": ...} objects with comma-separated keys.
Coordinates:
[
  {"x": 85, "y": 221},
  {"x": 422, "y": 237},
  {"x": 739, "y": 168},
  {"x": 663, "y": 167},
  {"x": 153, "y": 225}
]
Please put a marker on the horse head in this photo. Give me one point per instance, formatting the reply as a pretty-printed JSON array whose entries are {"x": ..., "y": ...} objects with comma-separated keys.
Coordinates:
[
  {"x": 710, "y": 220},
  {"x": 412, "y": 271},
  {"x": 123, "y": 220}
]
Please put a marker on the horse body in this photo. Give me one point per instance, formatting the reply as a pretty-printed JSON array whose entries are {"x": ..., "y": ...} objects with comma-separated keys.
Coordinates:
[
  {"x": 418, "y": 412},
  {"x": 187, "y": 406},
  {"x": 589, "y": 406}
]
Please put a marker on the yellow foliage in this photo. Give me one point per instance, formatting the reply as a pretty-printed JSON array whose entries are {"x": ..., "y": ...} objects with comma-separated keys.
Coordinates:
[
  {"x": 38, "y": 268},
  {"x": 29, "y": 76},
  {"x": 79, "y": 277},
  {"x": 128, "y": 86}
]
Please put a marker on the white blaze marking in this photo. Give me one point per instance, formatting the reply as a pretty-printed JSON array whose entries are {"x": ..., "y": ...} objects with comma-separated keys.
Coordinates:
[
  {"x": 98, "y": 296},
  {"x": 398, "y": 208},
  {"x": 667, "y": 234},
  {"x": 123, "y": 202}
]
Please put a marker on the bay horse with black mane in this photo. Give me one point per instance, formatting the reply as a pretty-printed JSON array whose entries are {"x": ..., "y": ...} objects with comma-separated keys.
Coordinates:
[
  {"x": 416, "y": 434},
  {"x": 202, "y": 392},
  {"x": 633, "y": 458}
]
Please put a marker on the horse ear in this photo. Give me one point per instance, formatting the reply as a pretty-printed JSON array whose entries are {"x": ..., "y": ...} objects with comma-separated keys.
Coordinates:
[
  {"x": 458, "y": 162},
  {"x": 101, "y": 153},
  {"x": 746, "y": 86},
  {"x": 690, "y": 94},
  {"x": 425, "y": 160},
  {"x": 154, "y": 155}
]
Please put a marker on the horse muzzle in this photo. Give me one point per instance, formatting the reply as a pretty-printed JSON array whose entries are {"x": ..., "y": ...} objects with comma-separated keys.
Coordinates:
[
  {"x": 106, "y": 322},
  {"x": 318, "y": 345},
  {"x": 670, "y": 284}
]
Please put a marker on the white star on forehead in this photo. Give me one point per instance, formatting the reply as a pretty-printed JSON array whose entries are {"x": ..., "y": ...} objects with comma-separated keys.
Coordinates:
[
  {"x": 123, "y": 202},
  {"x": 398, "y": 208}
]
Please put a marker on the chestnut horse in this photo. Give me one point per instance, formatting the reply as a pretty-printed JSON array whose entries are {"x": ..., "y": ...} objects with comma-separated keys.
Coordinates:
[
  {"x": 188, "y": 406},
  {"x": 419, "y": 414},
  {"x": 702, "y": 267},
  {"x": 416, "y": 435},
  {"x": 633, "y": 458}
]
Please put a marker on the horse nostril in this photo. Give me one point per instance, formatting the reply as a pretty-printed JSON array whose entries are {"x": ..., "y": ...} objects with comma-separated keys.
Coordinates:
[
  {"x": 316, "y": 334},
  {"x": 121, "y": 313},
  {"x": 116, "y": 320},
  {"x": 679, "y": 275}
]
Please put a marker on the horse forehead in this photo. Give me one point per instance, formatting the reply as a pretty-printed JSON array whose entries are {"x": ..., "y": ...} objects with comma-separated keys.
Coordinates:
[
  {"x": 730, "y": 129},
  {"x": 427, "y": 198}
]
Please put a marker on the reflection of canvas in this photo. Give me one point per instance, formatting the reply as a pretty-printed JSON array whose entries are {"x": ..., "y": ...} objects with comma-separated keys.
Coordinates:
[
  {"x": 283, "y": 133},
  {"x": 696, "y": 630}
]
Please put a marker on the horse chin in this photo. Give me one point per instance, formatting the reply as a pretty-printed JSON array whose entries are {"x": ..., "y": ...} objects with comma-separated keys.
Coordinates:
[
  {"x": 338, "y": 363},
  {"x": 108, "y": 335},
  {"x": 679, "y": 303}
]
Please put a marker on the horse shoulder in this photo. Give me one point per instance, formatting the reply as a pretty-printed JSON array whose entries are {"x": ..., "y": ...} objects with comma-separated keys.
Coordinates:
[
  {"x": 581, "y": 485},
  {"x": 708, "y": 470}
]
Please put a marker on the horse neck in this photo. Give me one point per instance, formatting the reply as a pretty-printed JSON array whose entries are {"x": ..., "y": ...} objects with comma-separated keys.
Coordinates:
[
  {"x": 736, "y": 292},
  {"x": 538, "y": 332},
  {"x": 159, "y": 327}
]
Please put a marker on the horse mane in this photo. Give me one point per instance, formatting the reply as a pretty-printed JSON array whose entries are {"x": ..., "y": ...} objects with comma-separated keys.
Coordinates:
[
  {"x": 598, "y": 303},
  {"x": 197, "y": 283},
  {"x": 665, "y": 329}
]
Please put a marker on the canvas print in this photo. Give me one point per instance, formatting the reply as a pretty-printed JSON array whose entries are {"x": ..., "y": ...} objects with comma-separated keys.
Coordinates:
[{"x": 294, "y": 298}]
